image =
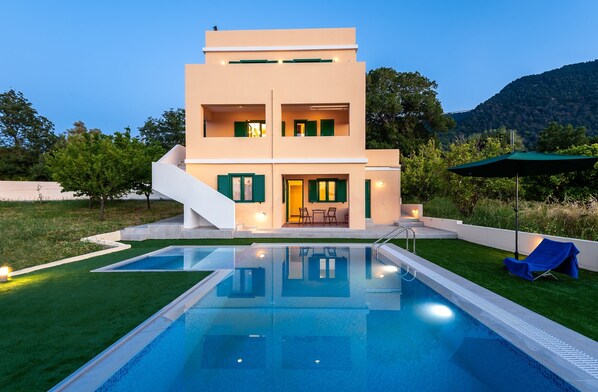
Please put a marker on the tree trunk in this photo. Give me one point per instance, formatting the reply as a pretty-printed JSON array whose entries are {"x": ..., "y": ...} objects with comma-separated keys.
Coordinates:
[
  {"x": 102, "y": 200},
  {"x": 90, "y": 204},
  {"x": 147, "y": 196}
]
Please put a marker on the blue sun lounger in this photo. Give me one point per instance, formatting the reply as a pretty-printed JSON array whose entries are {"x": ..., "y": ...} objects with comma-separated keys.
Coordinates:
[{"x": 548, "y": 256}]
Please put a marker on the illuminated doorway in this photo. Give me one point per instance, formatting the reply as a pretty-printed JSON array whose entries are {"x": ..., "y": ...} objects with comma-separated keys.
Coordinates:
[{"x": 294, "y": 200}]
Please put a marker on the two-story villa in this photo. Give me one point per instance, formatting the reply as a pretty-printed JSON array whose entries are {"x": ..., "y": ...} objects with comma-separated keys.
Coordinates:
[{"x": 275, "y": 122}]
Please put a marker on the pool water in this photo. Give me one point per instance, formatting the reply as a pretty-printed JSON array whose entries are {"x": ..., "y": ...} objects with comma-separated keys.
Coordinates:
[
  {"x": 301, "y": 318},
  {"x": 184, "y": 258}
]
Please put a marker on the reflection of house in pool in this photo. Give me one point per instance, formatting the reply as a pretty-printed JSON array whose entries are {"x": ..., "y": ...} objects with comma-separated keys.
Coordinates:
[{"x": 316, "y": 272}]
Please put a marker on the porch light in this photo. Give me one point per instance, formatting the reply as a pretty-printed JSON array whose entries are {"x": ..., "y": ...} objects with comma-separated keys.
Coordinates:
[
  {"x": 4, "y": 274},
  {"x": 261, "y": 216},
  {"x": 380, "y": 183},
  {"x": 336, "y": 59},
  {"x": 415, "y": 213},
  {"x": 222, "y": 62},
  {"x": 279, "y": 61}
]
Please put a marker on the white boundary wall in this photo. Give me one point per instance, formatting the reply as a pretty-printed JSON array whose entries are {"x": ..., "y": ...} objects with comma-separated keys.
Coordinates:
[
  {"x": 46, "y": 190},
  {"x": 505, "y": 239}
]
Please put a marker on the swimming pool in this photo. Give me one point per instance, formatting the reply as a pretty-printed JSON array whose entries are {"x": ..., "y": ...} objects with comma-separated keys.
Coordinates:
[{"x": 301, "y": 317}]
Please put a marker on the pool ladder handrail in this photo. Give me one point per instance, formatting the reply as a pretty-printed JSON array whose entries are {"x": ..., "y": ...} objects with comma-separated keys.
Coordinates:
[{"x": 393, "y": 234}]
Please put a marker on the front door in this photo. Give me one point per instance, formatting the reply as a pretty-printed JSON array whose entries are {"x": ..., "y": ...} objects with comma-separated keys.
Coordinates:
[
  {"x": 294, "y": 200},
  {"x": 368, "y": 199}
]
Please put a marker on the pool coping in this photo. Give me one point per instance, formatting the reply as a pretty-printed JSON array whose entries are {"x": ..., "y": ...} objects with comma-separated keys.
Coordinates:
[
  {"x": 568, "y": 354},
  {"x": 496, "y": 312}
]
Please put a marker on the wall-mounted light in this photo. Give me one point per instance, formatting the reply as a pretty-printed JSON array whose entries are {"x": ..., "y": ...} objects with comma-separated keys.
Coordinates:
[
  {"x": 336, "y": 59},
  {"x": 380, "y": 183},
  {"x": 279, "y": 61},
  {"x": 4, "y": 274},
  {"x": 222, "y": 62},
  {"x": 415, "y": 213},
  {"x": 261, "y": 216}
]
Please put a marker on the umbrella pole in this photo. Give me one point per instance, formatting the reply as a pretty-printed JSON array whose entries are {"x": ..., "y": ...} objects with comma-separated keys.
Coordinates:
[{"x": 516, "y": 216}]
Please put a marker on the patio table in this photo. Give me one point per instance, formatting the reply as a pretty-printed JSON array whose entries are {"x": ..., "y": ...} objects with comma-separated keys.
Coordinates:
[{"x": 319, "y": 212}]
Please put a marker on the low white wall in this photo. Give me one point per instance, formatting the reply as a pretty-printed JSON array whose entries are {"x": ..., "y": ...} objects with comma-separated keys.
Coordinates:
[
  {"x": 47, "y": 190},
  {"x": 505, "y": 239}
]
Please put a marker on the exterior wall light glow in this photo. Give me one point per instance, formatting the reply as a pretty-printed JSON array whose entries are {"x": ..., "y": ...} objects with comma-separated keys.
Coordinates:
[
  {"x": 222, "y": 62},
  {"x": 380, "y": 183},
  {"x": 415, "y": 213},
  {"x": 261, "y": 216},
  {"x": 4, "y": 274}
]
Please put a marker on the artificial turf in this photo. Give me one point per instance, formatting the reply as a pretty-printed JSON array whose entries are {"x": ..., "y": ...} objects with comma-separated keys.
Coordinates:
[{"x": 53, "y": 321}]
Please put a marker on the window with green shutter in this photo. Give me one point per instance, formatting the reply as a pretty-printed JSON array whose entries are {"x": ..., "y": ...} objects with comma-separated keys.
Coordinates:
[
  {"x": 327, "y": 127},
  {"x": 327, "y": 190},
  {"x": 282, "y": 126},
  {"x": 243, "y": 187},
  {"x": 311, "y": 128},
  {"x": 241, "y": 129}
]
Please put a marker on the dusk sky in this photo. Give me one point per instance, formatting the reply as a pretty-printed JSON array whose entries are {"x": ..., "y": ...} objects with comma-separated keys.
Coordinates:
[{"x": 112, "y": 63}]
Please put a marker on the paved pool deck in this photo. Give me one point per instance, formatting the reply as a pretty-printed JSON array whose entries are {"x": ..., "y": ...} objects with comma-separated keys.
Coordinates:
[{"x": 172, "y": 228}]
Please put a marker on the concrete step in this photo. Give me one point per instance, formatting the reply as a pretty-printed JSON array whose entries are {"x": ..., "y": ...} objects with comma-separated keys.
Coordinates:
[{"x": 409, "y": 222}]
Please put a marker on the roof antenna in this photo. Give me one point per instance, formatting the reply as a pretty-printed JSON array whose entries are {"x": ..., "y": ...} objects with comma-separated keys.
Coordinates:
[{"x": 215, "y": 28}]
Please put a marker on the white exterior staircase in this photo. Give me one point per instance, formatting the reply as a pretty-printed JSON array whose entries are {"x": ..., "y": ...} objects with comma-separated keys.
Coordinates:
[{"x": 204, "y": 206}]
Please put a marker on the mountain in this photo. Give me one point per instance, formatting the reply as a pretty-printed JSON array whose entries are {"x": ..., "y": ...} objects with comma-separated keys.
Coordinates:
[{"x": 567, "y": 95}]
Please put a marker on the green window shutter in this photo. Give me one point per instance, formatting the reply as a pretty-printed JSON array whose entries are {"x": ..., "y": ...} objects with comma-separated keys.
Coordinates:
[
  {"x": 312, "y": 187},
  {"x": 311, "y": 129},
  {"x": 259, "y": 188},
  {"x": 204, "y": 128},
  {"x": 224, "y": 185},
  {"x": 282, "y": 126},
  {"x": 327, "y": 127},
  {"x": 284, "y": 191},
  {"x": 240, "y": 129},
  {"x": 341, "y": 191}
]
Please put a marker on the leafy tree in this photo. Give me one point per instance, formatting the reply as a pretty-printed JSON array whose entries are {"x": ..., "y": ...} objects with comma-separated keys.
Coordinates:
[
  {"x": 577, "y": 186},
  {"x": 465, "y": 192},
  {"x": 24, "y": 137},
  {"x": 79, "y": 128},
  {"x": 402, "y": 110},
  {"x": 422, "y": 173},
  {"x": 167, "y": 131},
  {"x": 139, "y": 158},
  {"x": 557, "y": 137},
  {"x": 90, "y": 164}
]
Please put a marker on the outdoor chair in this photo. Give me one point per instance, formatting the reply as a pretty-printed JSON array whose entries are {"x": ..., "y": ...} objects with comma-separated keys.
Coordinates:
[
  {"x": 304, "y": 216},
  {"x": 548, "y": 256},
  {"x": 330, "y": 216}
]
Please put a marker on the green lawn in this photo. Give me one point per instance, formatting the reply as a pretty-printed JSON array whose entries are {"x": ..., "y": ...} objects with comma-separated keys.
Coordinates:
[
  {"x": 35, "y": 233},
  {"x": 54, "y": 321}
]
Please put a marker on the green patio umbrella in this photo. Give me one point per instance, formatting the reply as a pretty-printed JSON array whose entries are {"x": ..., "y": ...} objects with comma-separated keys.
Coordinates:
[{"x": 517, "y": 164}]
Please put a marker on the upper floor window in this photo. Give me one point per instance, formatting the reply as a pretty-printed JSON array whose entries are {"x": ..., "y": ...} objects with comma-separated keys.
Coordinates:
[{"x": 252, "y": 128}]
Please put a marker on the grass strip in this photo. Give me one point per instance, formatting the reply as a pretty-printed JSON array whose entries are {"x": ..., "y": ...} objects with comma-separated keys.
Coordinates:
[{"x": 40, "y": 232}]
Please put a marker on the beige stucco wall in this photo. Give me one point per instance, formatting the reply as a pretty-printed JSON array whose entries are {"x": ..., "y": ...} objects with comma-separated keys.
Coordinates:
[
  {"x": 276, "y": 87},
  {"x": 250, "y": 214}
]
